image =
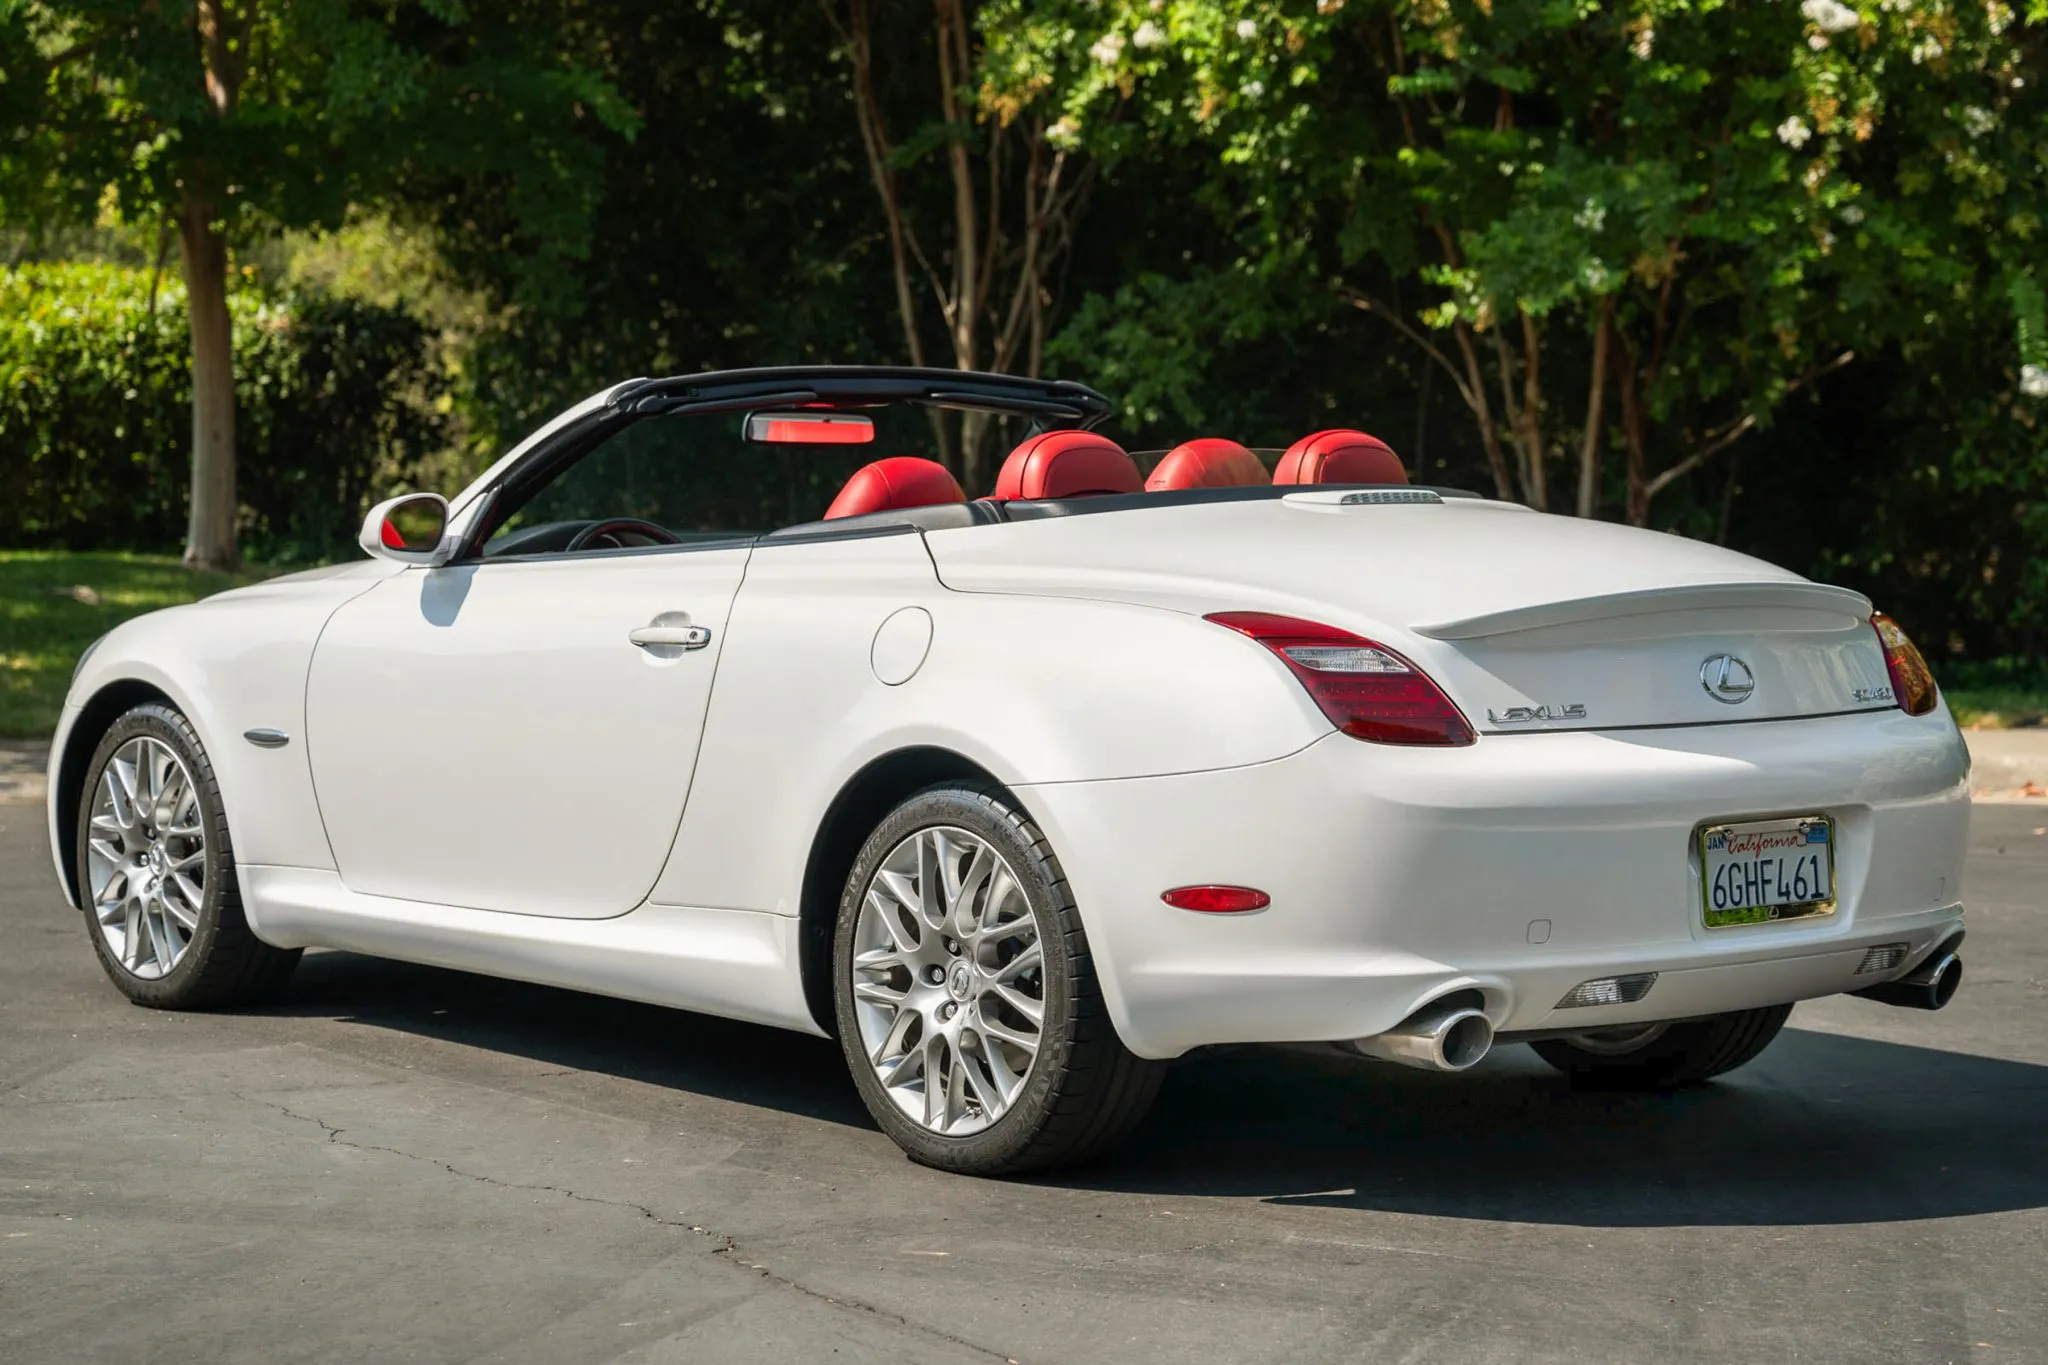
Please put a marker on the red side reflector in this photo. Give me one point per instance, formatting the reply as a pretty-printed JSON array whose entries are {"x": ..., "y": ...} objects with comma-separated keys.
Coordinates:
[
  {"x": 1367, "y": 690},
  {"x": 1216, "y": 900}
]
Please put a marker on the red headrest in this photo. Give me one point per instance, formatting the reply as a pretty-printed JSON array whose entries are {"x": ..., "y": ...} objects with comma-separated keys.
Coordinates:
[
  {"x": 1206, "y": 463},
  {"x": 1066, "y": 464},
  {"x": 1340, "y": 456},
  {"x": 895, "y": 483}
]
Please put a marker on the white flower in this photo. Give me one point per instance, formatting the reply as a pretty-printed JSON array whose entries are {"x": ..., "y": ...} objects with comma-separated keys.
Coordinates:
[
  {"x": 1063, "y": 132},
  {"x": 1247, "y": 28},
  {"x": 1646, "y": 43},
  {"x": 1978, "y": 122},
  {"x": 1827, "y": 242},
  {"x": 1108, "y": 48},
  {"x": 1817, "y": 41},
  {"x": 1252, "y": 89},
  {"x": 1852, "y": 214},
  {"x": 1793, "y": 132},
  {"x": 1591, "y": 217},
  {"x": 2034, "y": 381},
  {"x": 1926, "y": 50},
  {"x": 1149, "y": 34},
  {"x": 1830, "y": 16}
]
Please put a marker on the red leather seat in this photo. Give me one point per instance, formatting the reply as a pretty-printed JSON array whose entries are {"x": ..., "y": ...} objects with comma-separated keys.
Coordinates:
[
  {"x": 1209, "y": 462},
  {"x": 893, "y": 484},
  {"x": 1066, "y": 464},
  {"x": 1340, "y": 456}
]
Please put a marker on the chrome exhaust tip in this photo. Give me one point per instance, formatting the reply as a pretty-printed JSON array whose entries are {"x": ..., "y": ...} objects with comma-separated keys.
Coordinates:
[
  {"x": 1929, "y": 986},
  {"x": 1434, "y": 1038}
]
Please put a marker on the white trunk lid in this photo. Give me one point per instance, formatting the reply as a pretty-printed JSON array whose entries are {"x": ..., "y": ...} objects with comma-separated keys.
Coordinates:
[{"x": 1529, "y": 622}]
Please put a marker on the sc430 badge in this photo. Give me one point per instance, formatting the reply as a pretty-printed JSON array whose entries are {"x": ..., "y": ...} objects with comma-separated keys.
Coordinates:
[{"x": 1529, "y": 715}]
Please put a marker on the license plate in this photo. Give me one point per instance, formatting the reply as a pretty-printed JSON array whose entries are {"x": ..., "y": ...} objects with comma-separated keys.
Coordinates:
[{"x": 1763, "y": 871}]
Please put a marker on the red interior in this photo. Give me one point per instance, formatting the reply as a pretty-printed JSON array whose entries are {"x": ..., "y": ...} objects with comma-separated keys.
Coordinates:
[
  {"x": 1067, "y": 464},
  {"x": 893, "y": 484},
  {"x": 1340, "y": 456},
  {"x": 1208, "y": 462}
]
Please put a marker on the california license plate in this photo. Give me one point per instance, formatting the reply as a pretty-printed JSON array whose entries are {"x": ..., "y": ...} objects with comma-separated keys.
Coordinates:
[{"x": 1763, "y": 871}]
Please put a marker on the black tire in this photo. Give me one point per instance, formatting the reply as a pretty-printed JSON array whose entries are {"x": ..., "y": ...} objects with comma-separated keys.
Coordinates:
[
  {"x": 224, "y": 963},
  {"x": 1085, "y": 1090},
  {"x": 1679, "y": 1054}
]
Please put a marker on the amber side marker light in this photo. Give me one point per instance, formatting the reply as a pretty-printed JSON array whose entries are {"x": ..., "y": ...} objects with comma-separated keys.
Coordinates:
[
  {"x": 1217, "y": 900},
  {"x": 1912, "y": 681}
]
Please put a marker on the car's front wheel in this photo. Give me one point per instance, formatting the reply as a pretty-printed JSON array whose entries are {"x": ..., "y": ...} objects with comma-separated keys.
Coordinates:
[
  {"x": 967, "y": 1003},
  {"x": 158, "y": 873},
  {"x": 1658, "y": 1056}
]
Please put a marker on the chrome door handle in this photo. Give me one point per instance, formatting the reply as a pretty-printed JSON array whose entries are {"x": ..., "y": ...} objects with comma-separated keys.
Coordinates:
[{"x": 673, "y": 637}]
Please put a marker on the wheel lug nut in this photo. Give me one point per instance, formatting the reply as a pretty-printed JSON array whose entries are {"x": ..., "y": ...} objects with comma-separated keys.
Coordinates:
[{"x": 935, "y": 975}]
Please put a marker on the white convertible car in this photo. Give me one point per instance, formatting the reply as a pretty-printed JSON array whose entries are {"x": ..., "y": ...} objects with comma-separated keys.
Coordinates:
[{"x": 1021, "y": 797}]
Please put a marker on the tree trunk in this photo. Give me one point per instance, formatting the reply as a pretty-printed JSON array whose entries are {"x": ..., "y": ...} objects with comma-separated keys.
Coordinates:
[
  {"x": 210, "y": 531},
  {"x": 1634, "y": 437},
  {"x": 1596, "y": 408},
  {"x": 1532, "y": 415},
  {"x": 1482, "y": 413}
]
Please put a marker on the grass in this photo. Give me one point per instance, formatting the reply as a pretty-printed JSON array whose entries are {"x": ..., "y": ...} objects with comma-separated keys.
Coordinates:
[
  {"x": 1998, "y": 708},
  {"x": 53, "y": 604},
  {"x": 1996, "y": 694}
]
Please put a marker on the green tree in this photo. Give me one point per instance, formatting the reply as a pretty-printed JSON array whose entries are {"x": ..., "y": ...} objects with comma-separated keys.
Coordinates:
[
  {"x": 1701, "y": 207},
  {"x": 1002, "y": 195},
  {"x": 222, "y": 118}
]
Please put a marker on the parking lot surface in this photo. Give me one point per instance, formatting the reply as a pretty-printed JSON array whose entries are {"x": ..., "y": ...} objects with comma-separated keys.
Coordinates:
[{"x": 396, "y": 1163}]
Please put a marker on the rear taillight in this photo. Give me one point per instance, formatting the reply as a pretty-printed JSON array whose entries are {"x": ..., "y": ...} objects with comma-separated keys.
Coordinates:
[
  {"x": 1367, "y": 690},
  {"x": 1912, "y": 681}
]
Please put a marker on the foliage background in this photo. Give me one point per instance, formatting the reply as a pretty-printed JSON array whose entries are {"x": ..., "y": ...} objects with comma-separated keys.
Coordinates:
[
  {"x": 95, "y": 390},
  {"x": 1295, "y": 214}
]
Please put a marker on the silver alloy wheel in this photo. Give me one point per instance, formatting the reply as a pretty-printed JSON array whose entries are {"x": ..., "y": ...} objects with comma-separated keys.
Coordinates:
[
  {"x": 147, "y": 857},
  {"x": 948, "y": 980}
]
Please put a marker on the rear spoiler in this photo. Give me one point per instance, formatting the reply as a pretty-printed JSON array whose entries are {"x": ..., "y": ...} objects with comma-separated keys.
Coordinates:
[{"x": 1656, "y": 601}]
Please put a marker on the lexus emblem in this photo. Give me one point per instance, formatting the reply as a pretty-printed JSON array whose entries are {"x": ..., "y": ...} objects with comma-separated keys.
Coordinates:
[{"x": 1727, "y": 679}]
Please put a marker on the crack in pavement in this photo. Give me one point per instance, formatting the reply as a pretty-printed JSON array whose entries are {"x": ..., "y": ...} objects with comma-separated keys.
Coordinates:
[{"x": 727, "y": 1250}]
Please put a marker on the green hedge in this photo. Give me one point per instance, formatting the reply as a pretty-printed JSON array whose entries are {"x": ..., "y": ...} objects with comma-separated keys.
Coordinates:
[{"x": 335, "y": 401}]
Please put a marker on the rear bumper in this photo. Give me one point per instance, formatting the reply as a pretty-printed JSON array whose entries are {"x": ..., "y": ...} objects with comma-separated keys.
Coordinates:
[{"x": 1519, "y": 867}]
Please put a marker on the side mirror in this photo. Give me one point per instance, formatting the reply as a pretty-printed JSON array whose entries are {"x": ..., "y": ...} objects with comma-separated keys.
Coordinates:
[{"x": 410, "y": 529}]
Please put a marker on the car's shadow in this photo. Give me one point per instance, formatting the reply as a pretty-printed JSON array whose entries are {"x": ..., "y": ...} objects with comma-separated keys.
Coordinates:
[{"x": 1821, "y": 1129}]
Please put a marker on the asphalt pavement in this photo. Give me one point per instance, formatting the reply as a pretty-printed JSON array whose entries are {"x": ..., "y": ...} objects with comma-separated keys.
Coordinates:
[{"x": 397, "y": 1163}]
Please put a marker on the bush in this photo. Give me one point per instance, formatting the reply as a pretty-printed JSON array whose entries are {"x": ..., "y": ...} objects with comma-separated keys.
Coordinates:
[{"x": 335, "y": 402}]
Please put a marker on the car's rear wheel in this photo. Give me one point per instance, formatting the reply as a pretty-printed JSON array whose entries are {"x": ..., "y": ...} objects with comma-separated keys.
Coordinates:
[
  {"x": 967, "y": 1003},
  {"x": 158, "y": 873},
  {"x": 1658, "y": 1056}
]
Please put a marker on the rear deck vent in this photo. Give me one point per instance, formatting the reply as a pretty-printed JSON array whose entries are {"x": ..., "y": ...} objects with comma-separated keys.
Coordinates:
[
  {"x": 1381, "y": 496},
  {"x": 1609, "y": 990},
  {"x": 1883, "y": 957}
]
